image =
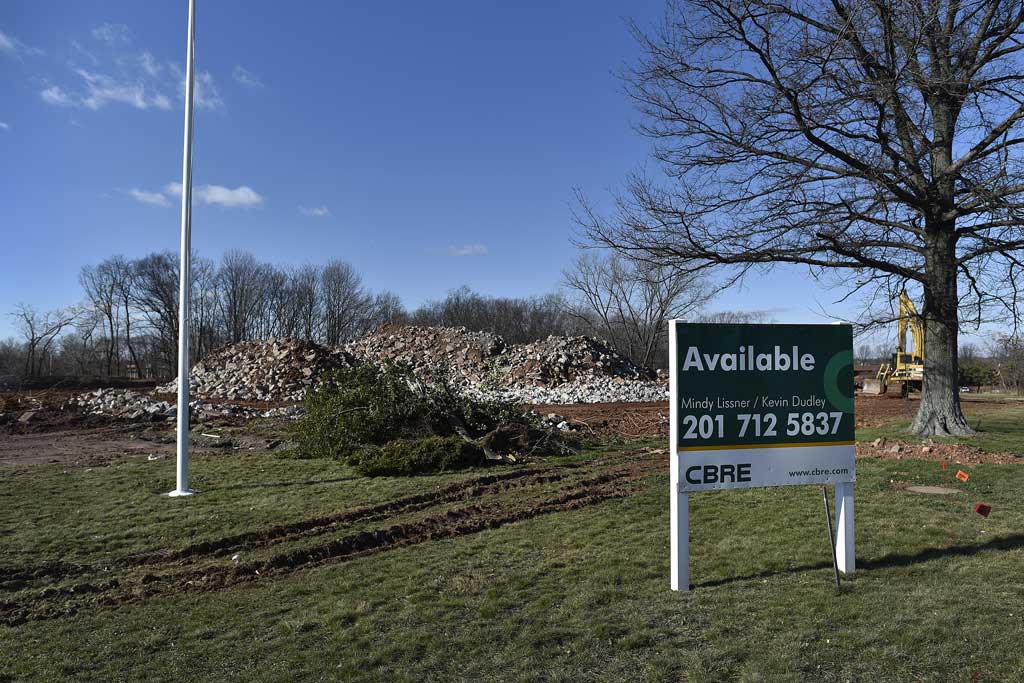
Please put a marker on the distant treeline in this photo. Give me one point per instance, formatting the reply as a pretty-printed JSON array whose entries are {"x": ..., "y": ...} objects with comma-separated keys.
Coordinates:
[{"x": 126, "y": 324}]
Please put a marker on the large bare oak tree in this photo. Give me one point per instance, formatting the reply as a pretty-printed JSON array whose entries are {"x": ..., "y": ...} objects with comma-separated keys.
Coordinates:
[{"x": 877, "y": 141}]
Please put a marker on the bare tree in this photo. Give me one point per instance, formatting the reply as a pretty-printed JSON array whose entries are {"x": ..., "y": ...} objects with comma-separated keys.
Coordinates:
[
  {"x": 207, "y": 332},
  {"x": 241, "y": 280},
  {"x": 346, "y": 304},
  {"x": 517, "y": 320},
  {"x": 879, "y": 140},
  {"x": 1007, "y": 354},
  {"x": 628, "y": 301},
  {"x": 734, "y": 317},
  {"x": 100, "y": 284},
  {"x": 385, "y": 308},
  {"x": 155, "y": 293},
  {"x": 122, "y": 271},
  {"x": 40, "y": 331},
  {"x": 304, "y": 294}
]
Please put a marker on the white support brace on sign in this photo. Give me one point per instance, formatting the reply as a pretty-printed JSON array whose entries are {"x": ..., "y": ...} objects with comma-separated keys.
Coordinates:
[
  {"x": 844, "y": 528},
  {"x": 679, "y": 503}
]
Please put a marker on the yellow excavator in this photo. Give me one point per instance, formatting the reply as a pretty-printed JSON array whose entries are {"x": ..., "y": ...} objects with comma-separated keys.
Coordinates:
[{"x": 905, "y": 371}]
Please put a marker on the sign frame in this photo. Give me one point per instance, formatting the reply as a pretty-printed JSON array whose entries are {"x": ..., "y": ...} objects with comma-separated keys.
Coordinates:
[{"x": 679, "y": 496}]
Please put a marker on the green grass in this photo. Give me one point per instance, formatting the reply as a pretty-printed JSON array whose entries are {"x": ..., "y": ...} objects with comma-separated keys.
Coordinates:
[
  {"x": 999, "y": 431},
  {"x": 569, "y": 596}
]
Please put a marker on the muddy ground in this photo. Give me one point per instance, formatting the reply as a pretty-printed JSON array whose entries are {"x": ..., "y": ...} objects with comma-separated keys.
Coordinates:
[
  {"x": 53, "y": 434},
  {"x": 59, "y": 589}
]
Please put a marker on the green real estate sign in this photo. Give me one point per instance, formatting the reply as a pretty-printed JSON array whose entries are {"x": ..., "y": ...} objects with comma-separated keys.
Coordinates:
[{"x": 762, "y": 405}]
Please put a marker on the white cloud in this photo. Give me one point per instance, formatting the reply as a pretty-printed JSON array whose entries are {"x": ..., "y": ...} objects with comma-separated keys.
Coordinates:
[
  {"x": 246, "y": 77},
  {"x": 207, "y": 95},
  {"x": 12, "y": 47},
  {"x": 468, "y": 250},
  {"x": 154, "y": 198},
  {"x": 4, "y": 126},
  {"x": 8, "y": 45},
  {"x": 122, "y": 75},
  {"x": 55, "y": 95},
  {"x": 318, "y": 211},
  {"x": 239, "y": 197},
  {"x": 85, "y": 53},
  {"x": 112, "y": 33},
  {"x": 149, "y": 64},
  {"x": 101, "y": 89}
]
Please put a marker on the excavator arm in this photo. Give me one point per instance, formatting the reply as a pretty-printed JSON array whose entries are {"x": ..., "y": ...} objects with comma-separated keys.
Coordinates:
[
  {"x": 910, "y": 318},
  {"x": 906, "y": 370}
]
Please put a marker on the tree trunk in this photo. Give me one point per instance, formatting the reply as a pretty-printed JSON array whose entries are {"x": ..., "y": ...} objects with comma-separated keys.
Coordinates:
[
  {"x": 128, "y": 340},
  {"x": 940, "y": 413}
]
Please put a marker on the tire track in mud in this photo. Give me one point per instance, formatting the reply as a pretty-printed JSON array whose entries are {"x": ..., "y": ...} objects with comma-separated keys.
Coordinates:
[
  {"x": 57, "y": 570},
  {"x": 55, "y": 602},
  {"x": 18, "y": 576}
]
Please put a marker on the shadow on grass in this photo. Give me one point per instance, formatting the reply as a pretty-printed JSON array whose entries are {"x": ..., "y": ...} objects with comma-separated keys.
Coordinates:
[{"x": 1013, "y": 542}]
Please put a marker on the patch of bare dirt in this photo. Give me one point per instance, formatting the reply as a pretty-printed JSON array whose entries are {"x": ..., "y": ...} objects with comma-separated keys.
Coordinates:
[
  {"x": 877, "y": 411},
  {"x": 953, "y": 453},
  {"x": 608, "y": 420}
]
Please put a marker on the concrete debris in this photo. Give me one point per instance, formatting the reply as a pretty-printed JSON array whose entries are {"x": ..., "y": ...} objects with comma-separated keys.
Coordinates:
[
  {"x": 556, "y": 370},
  {"x": 262, "y": 370},
  {"x": 559, "y": 360},
  {"x": 134, "y": 406},
  {"x": 465, "y": 356}
]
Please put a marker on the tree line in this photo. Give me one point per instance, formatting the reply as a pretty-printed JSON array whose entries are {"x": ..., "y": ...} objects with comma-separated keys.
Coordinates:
[{"x": 126, "y": 324}]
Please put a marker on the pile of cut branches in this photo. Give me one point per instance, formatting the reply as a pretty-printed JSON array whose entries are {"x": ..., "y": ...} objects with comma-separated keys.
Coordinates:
[{"x": 377, "y": 418}]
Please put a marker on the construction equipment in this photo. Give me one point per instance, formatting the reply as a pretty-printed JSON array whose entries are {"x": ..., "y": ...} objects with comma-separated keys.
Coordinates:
[{"x": 905, "y": 371}]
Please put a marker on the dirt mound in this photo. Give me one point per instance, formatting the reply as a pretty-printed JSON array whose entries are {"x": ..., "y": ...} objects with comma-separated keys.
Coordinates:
[
  {"x": 557, "y": 360},
  {"x": 427, "y": 350},
  {"x": 262, "y": 370}
]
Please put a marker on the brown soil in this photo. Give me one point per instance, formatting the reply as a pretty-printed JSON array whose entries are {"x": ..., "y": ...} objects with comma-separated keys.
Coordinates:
[
  {"x": 952, "y": 453},
  {"x": 627, "y": 420},
  {"x": 876, "y": 411},
  {"x": 57, "y": 589},
  {"x": 54, "y": 434}
]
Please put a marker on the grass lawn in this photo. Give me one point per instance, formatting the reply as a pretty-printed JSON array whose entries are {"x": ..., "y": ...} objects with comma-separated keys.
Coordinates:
[
  {"x": 566, "y": 595},
  {"x": 999, "y": 431}
]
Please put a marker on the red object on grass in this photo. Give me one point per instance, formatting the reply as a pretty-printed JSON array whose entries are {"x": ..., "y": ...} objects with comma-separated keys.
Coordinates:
[
  {"x": 962, "y": 476},
  {"x": 943, "y": 464},
  {"x": 983, "y": 509}
]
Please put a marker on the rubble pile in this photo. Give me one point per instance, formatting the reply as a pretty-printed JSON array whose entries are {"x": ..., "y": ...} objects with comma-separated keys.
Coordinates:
[
  {"x": 558, "y": 360},
  {"x": 122, "y": 403},
  {"x": 466, "y": 355},
  {"x": 262, "y": 370},
  {"x": 586, "y": 390},
  {"x": 556, "y": 370},
  {"x": 132, "y": 405}
]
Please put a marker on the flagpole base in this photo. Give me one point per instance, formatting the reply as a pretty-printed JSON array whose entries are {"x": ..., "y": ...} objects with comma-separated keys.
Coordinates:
[{"x": 177, "y": 494}]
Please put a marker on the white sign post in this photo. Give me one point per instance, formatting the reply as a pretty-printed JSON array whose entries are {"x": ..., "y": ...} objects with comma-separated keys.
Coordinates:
[
  {"x": 185, "y": 283},
  {"x": 759, "y": 405}
]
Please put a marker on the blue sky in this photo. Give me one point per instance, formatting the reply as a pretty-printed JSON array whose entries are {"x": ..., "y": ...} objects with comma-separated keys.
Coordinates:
[{"x": 429, "y": 144}]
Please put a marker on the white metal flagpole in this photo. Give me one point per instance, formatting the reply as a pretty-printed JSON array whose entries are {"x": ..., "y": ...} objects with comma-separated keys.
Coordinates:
[{"x": 185, "y": 285}]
